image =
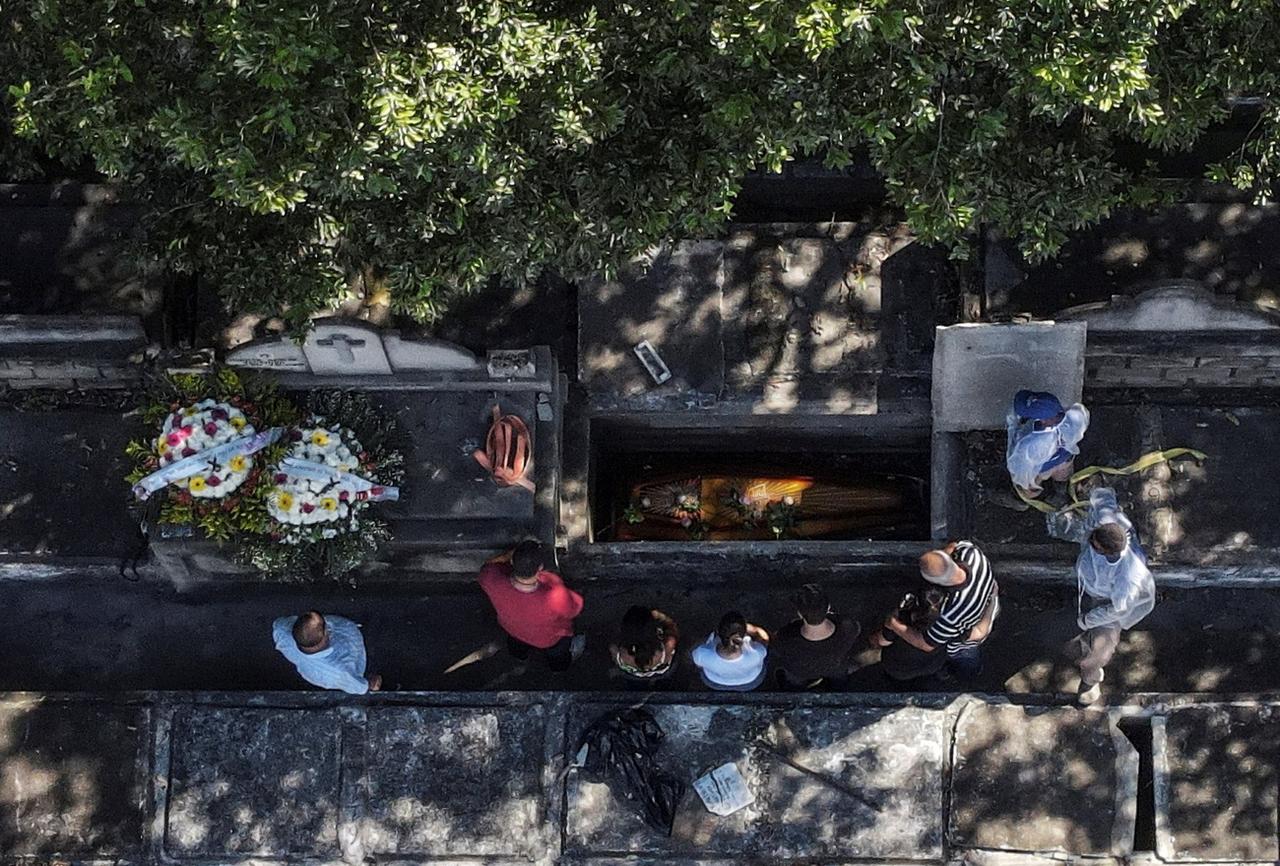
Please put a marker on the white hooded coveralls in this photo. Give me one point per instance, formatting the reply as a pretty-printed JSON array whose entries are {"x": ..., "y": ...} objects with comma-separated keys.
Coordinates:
[
  {"x": 1125, "y": 588},
  {"x": 1029, "y": 449}
]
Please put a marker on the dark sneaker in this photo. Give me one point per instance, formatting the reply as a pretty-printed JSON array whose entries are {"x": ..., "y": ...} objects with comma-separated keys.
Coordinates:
[{"x": 1006, "y": 499}]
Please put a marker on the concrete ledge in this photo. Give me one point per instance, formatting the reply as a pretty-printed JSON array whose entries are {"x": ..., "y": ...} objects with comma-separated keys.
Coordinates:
[
  {"x": 188, "y": 561},
  {"x": 309, "y": 777},
  {"x": 34, "y": 329}
]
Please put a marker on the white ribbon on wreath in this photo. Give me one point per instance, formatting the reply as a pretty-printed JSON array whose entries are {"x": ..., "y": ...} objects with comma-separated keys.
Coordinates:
[{"x": 204, "y": 461}]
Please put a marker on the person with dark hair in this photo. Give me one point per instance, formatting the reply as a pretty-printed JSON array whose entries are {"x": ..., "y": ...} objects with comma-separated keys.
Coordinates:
[
  {"x": 816, "y": 648},
  {"x": 731, "y": 659},
  {"x": 327, "y": 651},
  {"x": 645, "y": 649},
  {"x": 533, "y": 605},
  {"x": 1116, "y": 589}
]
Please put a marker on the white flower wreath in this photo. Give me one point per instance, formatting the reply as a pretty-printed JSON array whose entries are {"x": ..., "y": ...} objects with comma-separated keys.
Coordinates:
[
  {"x": 201, "y": 427},
  {"x": 314, "y": 508}
]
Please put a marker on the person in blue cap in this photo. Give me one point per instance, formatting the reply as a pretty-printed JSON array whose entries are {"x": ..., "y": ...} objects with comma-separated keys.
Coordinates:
[{"x": 1044, "y": 439}]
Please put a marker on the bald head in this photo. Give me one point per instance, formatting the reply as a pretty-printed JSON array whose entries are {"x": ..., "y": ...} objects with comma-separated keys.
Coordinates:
[
  {"x": 310, "y": 633},
  {"x": 940, "y": 569}
]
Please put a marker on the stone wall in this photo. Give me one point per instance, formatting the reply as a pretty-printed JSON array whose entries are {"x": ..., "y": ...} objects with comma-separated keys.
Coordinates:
[
  {"x": 62, "y": 353},
  {"x": 322, "y": 778},
  {"x": 1226, "y": 359},
  {"x": 56, "y": 375}
]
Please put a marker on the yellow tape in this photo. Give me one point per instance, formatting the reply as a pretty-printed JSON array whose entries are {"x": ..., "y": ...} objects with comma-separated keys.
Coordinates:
[
  {"x": 1146, "y": 461},
  {"x": 1042, "y": 507}
]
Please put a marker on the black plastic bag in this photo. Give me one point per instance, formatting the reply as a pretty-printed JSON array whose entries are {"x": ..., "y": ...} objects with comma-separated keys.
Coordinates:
[{"x": 620, "y": 749}]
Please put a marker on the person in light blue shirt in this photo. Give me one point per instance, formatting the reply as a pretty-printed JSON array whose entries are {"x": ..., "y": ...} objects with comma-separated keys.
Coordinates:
[{"x": 327, "y": 651}]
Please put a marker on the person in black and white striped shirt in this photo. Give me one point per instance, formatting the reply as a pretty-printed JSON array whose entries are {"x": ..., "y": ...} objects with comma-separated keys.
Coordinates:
[{"x": 966, "y": 615}]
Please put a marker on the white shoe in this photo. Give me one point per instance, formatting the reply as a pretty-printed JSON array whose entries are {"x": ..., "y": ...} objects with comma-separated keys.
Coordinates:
[{"x": 1090, "y": 695}]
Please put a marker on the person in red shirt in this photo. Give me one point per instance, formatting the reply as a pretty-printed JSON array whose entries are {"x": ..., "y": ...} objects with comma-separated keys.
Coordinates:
[{"x": 534, "y": 607}]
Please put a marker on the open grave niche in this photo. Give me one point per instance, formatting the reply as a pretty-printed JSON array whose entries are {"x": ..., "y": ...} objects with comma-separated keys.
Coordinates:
[{"x": 651, "y": 482}]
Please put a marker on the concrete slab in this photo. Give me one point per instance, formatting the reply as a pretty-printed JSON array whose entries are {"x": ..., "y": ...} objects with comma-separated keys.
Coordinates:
[
  {"x": 675, "y": 303},
  {"x": 60, "y": 489},
  {"x": 699, "y": 738},
  {"x": 441, "y": 431},
  {"x": 893, "y": 756},
  {"x": 1042, "y": 779},
  {"x": 1173, "y": 307},
  {"x": 345, "y": 349},
  {"x": 262, "y": 782},
  {"x": 978, "y": 368},
  {"x": 454, "y": 782},
  {"x": 1217, "y": 512},
  {"x": 1216, "y": 783},
  {"x": 72, "y": 779},
  {"x": 801, "y": 307}
]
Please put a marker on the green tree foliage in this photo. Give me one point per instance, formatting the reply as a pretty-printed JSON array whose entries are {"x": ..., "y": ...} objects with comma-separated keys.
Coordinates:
[{"x": 285, "y": 144}]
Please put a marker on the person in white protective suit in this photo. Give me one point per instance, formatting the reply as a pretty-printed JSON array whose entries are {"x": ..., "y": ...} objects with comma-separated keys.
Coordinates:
[
  {"x": 1116, "y": 589},
  {"x": 1043, "y": 441}
]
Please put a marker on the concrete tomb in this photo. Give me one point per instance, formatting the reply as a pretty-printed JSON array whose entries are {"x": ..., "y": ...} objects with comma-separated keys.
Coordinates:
[
  {"x": 337, "y": 347},
  {"x": 1216, "y": 783},
  {"x": 1170, "y": 307},
  {"x": 978, "y": 368},
  {"x": 1042, "y": 779},
  {"x": 259, "y": 782},
  {"x": 804, "y": 767}
]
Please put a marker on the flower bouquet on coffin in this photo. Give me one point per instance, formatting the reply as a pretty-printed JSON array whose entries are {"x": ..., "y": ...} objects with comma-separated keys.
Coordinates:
[
  {"x": 321, "y": 491},
  {"x": 214, "y": 438}
]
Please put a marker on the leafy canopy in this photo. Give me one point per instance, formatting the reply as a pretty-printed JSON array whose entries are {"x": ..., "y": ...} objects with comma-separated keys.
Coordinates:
[{"x": 285, "y": 145}]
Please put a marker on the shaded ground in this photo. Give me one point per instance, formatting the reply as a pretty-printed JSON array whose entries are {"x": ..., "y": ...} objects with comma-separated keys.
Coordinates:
[
  {"x": 107, "y": 634},
  {"x": 61, "y": 487},
  {"x": 1195, "y": 514},
  {"x": 63, "y": 248},
  {"x": 1233, "y": 249},
  {"x": 543, "y": 313}
]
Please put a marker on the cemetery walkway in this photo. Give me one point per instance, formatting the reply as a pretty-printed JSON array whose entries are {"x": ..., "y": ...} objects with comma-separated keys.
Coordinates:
[{"x": 87, "y": 632}]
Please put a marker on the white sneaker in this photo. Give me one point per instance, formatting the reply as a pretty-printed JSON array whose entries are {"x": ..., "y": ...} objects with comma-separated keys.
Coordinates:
[{"x": 1091, "y": 694}]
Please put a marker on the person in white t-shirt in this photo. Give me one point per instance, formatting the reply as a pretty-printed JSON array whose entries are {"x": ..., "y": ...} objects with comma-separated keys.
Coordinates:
[{"x": 731, "y": 659}]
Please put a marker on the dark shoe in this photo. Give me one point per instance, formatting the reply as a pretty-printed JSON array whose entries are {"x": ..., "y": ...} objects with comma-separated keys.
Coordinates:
[{"x": 1006, "y": 499}]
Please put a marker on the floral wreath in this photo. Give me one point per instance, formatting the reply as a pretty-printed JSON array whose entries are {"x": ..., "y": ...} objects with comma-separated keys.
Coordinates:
[
  {"x": 205, "y": 467},
  {"x": 203, "y": 428},
  {"x": 322, "y": 487},
  {"x": 288, "y": 488}
]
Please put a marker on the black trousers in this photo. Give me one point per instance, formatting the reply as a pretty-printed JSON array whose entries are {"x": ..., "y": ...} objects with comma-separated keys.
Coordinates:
[
  {"x": 901, "y": 661},
  {"x": 558, "y": 655}
]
